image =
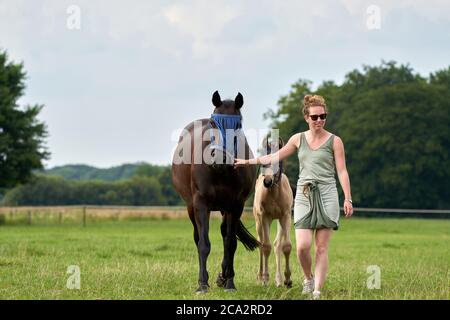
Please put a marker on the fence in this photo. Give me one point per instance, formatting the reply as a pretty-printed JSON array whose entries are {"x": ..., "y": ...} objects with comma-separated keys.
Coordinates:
[{"x": 83, "y": 214}]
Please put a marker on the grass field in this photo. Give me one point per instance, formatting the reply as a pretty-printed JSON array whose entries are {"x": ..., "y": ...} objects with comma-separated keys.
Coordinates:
[{"x": 157, "y": 259}]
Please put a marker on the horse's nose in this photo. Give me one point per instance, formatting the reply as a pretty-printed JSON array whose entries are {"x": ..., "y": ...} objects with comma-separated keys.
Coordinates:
[{"x": 268, "y": 181}]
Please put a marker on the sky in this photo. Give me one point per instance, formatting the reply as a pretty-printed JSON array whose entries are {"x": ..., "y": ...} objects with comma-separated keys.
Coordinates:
[{"x": 118, "y": 80}]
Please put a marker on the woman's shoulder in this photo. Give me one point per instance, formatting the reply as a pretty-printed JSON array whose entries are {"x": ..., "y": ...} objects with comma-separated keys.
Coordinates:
[
  {"x": 296, "y": 139},
  {"x": 337, "y": 141},
  {"x": 302, "y": 133}
]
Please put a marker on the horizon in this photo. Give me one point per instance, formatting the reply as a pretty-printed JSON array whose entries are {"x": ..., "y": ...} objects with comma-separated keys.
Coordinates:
[{"x": 105, "y": 168}]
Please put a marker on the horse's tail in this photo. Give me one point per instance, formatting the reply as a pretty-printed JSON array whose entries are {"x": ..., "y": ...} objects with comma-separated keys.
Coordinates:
[{"x": 248, "y": 240}]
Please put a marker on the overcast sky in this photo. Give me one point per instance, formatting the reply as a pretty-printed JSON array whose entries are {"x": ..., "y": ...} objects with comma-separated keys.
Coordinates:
[{"x": 118, "y": 78}]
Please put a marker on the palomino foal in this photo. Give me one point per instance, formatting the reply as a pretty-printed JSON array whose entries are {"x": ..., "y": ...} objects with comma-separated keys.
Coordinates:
[{"x": 273, "y": 201}]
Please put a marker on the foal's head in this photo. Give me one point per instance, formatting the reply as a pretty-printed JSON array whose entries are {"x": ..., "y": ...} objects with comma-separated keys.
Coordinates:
[{"x": 272, "y": 172}]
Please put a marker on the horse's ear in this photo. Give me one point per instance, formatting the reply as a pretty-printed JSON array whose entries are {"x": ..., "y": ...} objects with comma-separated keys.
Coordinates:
[
  {"x": 239, "y": 101},
  {"x": 216, "y": 100}
]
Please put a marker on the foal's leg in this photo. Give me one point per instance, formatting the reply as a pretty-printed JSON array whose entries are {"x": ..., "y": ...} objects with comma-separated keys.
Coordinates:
[
  {"x": 204, "y": 246},
  {"x": 277, "y": 246},
  {"x": 283, "y": 245},
  {"x": 259, "y": 232},
  {"x": 285, "y": 224},
  {"x": 266, "y": 247}
]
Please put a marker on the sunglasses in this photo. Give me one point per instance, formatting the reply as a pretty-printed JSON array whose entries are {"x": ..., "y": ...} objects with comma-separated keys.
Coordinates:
[{"x": 322, "y": 116}]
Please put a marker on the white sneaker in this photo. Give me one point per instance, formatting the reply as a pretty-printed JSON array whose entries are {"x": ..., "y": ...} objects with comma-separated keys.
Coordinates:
[
  {"x": 316, "y": 295},
  {"x": 308, "y": 286}
]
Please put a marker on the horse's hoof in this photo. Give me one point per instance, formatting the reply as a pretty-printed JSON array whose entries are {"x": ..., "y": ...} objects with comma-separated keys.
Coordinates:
[
  {"x": 278, "y": 281},
  {"x": 288, "y": 284},
  {"x": 203, "y": 288},
  {"x": 230, "y": 286},
  {"x": 263, "y": 278},
  {"x": 220, "y": 281}
]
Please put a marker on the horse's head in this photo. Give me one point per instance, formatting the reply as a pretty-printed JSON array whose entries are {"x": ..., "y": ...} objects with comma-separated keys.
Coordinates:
[
  {"x": 226, "y": 122},
  {"x": 227, "y": 107},
  {"x": 272, "y": 173}
]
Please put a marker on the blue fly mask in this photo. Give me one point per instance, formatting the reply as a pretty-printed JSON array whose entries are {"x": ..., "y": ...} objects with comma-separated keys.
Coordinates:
[{"x": 223, "y": 123}]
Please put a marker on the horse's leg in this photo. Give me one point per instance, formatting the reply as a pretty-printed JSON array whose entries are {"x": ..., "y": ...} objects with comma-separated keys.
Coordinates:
[
  {"x": 190, "y": 209},
  {"x": 221, "y": 281},
  {"x": 201, "y": 214},
  {"x": 286, "y": 246},
  {"x": 277, "y": 246},
  {"x": 259, "y": 231},
  {"x": 230, "y": 245},
  {"x": 266, "y": 248}
]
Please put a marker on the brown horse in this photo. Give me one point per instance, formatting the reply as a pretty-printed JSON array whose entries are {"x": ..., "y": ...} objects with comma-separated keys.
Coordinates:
[
  {"x": 273, "y": 200},
  {"x": 208, "y": 184}
]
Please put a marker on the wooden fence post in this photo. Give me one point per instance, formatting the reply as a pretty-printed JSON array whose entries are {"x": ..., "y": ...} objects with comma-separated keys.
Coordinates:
[{"x": 84, "y": 216}]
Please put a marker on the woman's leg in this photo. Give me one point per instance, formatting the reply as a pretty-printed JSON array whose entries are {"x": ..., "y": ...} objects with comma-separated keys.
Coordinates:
[
  {"x": 323, "y": 237},
  {"x": 303, "y": 238}
]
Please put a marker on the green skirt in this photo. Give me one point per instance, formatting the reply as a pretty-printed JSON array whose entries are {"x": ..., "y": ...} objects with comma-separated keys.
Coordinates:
[{"x": 316, "y": 206}]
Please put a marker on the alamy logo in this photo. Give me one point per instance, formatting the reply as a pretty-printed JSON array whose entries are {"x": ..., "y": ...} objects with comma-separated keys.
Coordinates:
[
  {"x": 374, "y": 280},
  {"x": 374, "y": 19},
  {"x": 74, "y": 18},
  {"x": 74, "y": 281}
]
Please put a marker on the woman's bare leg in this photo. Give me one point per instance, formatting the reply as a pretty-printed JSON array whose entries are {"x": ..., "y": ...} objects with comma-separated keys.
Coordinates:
[
  {"x": 303, "y": 239},
  {"x": 322, "y": 240}
]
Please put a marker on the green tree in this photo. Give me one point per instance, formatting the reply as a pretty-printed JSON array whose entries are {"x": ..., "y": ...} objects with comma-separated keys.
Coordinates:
[
  {"x": 144, "y": 191},
  {"x": 164, "y": 176},
  {"x": 21, "y": 134},
  {"x": 42, "y": 191},
  {"x": 48, "y": 190}
]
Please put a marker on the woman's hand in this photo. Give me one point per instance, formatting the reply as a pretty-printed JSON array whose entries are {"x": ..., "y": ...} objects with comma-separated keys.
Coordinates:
[
  {"x": 348, "y": 208},
  {"x": 240, "y": 163}
]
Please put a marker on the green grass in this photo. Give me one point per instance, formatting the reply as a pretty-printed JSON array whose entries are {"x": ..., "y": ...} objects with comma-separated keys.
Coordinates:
[{"x": 157, "y": 259}]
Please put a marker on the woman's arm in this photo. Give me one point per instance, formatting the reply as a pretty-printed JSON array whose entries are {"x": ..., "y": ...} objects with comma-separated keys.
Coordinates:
[
  {"x": 341, "y": 168},
  {"x": 281, "y": 154}
]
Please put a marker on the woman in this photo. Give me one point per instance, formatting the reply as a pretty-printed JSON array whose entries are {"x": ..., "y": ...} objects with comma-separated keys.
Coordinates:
[{"x": 316, "y": 210}]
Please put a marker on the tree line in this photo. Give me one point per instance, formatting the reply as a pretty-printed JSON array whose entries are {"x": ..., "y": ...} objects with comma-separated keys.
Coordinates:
[{"x": 147, "y": 185}]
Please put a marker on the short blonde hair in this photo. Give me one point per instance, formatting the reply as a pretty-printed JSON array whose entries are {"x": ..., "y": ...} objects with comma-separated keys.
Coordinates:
[{"x": 311, "y": 100}]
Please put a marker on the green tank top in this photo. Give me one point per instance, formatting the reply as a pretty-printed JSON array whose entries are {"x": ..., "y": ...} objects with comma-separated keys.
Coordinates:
[{"x": 316, "y": 165}]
